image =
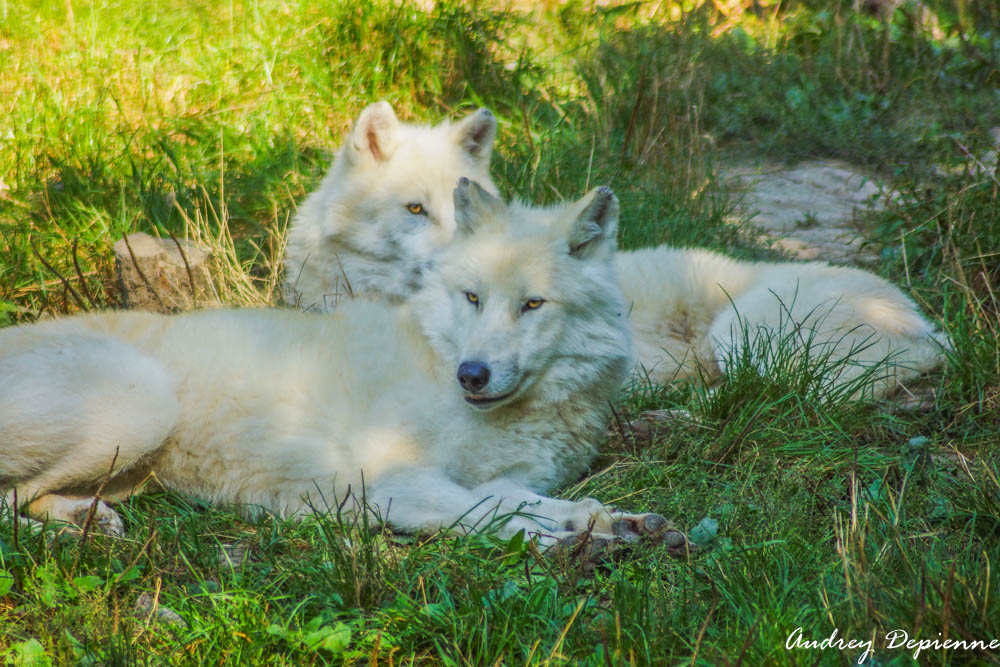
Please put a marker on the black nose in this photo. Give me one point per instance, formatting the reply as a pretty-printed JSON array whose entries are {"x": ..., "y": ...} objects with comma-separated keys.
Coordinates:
[{"x": 473, "y": 375}]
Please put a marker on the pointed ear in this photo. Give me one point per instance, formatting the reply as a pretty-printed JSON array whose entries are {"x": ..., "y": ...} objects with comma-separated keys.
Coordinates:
[
  {"x": 474, "y": 206},
  {"x": 595, "y": 225},
  {"x": 376, "y": 132},
  {"x": 475, "y": 134}
]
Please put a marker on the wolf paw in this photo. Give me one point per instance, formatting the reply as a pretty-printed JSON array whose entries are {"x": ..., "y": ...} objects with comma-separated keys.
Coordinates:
[
  {"x": 584, "y": 548},
  {"x": 651, "y": 528},
  {"x": 105, "y": 521},
  {"x": 591, "y": 548},
  {"x": 30, "y": 524}
]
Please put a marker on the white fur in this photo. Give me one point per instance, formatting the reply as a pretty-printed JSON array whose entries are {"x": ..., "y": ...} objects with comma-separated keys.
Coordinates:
[
  {"x": 691, "y": 310},
  {"x": 266, "y": 408},
  {"x": 688, "y": 308},
  {"x": 354, "y": 235}
]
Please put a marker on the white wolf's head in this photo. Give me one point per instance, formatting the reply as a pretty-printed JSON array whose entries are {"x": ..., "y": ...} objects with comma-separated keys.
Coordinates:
[
  {"x": 384, "y": 208},
  {"x": 525, "y": 303}
]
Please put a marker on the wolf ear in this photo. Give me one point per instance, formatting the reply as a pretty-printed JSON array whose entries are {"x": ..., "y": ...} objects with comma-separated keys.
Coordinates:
[
  {"x": 376, "y": 132},
  {"x": 596, "y": 224},
  {"x": 473, "y": 206},
  {"x": 475, "y": 134}
]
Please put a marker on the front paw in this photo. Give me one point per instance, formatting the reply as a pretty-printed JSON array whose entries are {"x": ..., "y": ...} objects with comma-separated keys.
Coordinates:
[
  {"x": 584, "y": 548},
  {"x": 651, "y": 528},
  {"x": 105, "y": 520}
]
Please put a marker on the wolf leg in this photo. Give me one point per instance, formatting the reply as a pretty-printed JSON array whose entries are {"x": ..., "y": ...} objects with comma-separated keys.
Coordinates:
[
  {"x": 74, "y": 510},
  {"x": 75, "y": 412},
  {"x": 416, "y": 499},
  {"x": 563, "y": 521},
  {"x": 425, "y": 499}
]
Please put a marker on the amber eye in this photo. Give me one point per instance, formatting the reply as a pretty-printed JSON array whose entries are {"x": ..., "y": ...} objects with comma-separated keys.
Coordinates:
[
  {"x": 532, "y": 304},
  {"x": 473, "y": 298},
  {"x": 416, "y": 208}
]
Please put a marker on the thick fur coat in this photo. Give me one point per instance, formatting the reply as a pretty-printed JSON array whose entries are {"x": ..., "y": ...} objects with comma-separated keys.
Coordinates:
[
  {"x": 691, "y": 311},
  {"x": 489, "y": 388}
]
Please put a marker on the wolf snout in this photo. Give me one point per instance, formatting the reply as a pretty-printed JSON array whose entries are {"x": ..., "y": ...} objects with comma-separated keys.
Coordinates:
[{"x": 473, "y": 376}]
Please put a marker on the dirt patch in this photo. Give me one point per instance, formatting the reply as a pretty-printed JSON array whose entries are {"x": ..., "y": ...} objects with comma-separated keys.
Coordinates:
[{"x": 809, "y": 210}]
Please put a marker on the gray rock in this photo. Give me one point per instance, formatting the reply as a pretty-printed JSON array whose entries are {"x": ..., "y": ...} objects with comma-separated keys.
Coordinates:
[
  {"x": 147, "y": 608},
  {"x": 153, "y": 275},
  {"x": 809, "y": 210}
]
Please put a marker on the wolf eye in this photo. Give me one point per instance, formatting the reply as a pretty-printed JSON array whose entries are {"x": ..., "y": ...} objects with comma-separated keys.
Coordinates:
[
  {"x": 473, "y": 298},
  {"x": 532, "y": 304},
  {"x": 416, "y": 208}
]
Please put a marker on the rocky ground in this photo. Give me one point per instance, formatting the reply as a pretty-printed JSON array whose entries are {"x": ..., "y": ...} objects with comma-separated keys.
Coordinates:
[{"x": 815, "y": 209}]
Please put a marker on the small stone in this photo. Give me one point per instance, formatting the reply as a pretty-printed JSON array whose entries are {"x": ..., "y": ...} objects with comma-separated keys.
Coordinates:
[
  {"x": 706, "y": 531},
  {"x": 233, "y": 555},
  {"x": 146, "y": 607}
]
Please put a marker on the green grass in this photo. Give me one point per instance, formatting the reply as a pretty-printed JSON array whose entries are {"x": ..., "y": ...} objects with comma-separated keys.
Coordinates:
[{"x": 815, "y": 514}]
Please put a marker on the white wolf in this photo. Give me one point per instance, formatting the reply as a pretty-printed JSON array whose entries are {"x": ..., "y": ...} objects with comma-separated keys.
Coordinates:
[
  {"x": 690, "y": 310},
  {"x": 490, "y": 387},
  {"x": 384, "y": 208}
]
